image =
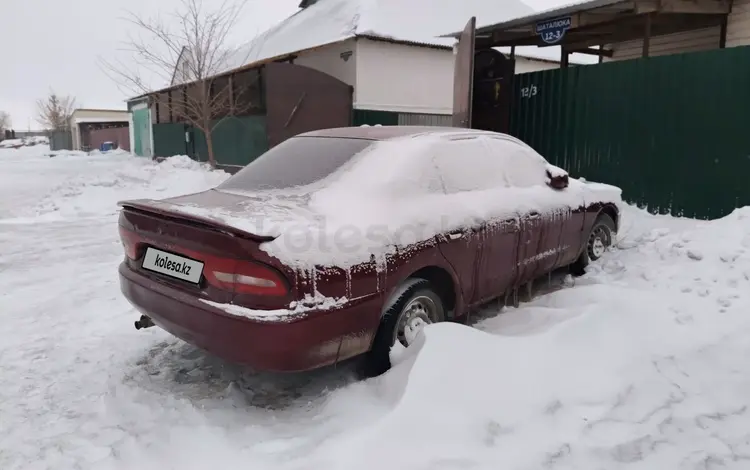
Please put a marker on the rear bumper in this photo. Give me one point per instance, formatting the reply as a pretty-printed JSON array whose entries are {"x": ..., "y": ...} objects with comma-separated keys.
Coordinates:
[{"x": 318, "y": 339}]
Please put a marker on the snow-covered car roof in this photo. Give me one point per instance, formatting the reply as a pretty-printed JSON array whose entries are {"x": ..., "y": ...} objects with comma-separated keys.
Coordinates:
[{"x": 394, "y": 132}]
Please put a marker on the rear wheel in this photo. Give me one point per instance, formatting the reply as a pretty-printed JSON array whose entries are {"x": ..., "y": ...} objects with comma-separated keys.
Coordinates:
[
  {"x": 416, "y": 306},
  {"x": 599, "y": 240}
]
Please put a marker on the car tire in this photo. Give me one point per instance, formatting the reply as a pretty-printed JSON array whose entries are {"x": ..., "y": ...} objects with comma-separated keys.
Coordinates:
[
  {"x": 600, "y": 238},
  {"x": 417, "y": 304}
]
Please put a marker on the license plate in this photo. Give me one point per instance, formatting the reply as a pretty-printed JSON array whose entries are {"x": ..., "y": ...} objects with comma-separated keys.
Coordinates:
[{"x": 173, "y": 265}]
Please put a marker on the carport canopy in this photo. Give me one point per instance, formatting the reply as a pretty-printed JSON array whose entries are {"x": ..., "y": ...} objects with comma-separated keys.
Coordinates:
[{"x": 590, "y": 26}]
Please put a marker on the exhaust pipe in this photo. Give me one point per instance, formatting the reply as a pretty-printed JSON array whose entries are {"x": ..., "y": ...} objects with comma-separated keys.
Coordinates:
[{"x": 144, "y": 322}]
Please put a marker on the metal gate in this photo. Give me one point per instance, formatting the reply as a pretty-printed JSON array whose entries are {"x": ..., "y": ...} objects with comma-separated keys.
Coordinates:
[
  {"x": 142, "y": 132},
  {"x": 671, "y": 131},
  {"x": 300, "y": 99}
]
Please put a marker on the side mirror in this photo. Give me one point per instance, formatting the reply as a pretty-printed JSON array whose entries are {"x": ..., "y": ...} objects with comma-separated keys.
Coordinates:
[{"x": 557, "y": 178}]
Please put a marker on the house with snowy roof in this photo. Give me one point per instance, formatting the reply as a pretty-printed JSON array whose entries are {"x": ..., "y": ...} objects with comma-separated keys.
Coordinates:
[
  {"x": 332, "y": 63},
  {"x": 388, "y": 50}
]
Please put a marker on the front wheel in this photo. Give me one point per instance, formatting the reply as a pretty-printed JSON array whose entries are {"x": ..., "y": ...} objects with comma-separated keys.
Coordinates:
[
  {"x": 416, "y": 306},
  {"x": 599, "y": 240}
]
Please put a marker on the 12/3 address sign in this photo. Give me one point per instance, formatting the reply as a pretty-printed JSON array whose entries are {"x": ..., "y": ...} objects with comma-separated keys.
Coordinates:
[{"x": 552, "y": 31}]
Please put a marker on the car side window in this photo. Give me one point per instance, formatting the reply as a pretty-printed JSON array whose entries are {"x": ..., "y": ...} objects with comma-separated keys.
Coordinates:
[
  {"x": 521, "y": 166},
  {"x": 466, "y": 165}
]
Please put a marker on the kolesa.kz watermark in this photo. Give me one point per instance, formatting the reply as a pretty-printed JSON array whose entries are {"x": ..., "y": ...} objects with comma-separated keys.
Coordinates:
[{"x": 168, "y": 264}]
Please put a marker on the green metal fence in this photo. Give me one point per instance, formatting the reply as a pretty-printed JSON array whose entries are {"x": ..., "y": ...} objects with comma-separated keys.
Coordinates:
[
  {"x": 169, "y": 139},
  {"x": 237, "y": 140},
  {"x": 60, "y": 140},
  {"x": 365, "y": 116},
  {"x": 671, "y": 131}
]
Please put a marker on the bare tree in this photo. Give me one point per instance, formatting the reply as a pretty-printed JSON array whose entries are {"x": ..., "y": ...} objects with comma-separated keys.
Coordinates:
[
  {"x": 54, "y": 111},
  {"x": 190, "y": 51},
  {"x": 5, "y": 122}
]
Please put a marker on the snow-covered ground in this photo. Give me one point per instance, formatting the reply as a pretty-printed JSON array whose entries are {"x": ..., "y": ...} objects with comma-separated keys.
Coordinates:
[{"x": 642, "y": 364}]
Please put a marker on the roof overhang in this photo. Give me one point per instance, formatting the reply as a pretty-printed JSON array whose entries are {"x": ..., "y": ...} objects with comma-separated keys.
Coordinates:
[
  {"x": 260, "y": 63},
  {"x": 601, "y": 22},
  {"x": 103, "y": 119},
  {"x": 249, "y": 66}
]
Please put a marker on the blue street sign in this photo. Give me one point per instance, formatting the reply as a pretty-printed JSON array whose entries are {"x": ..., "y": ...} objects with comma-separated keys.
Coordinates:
[{"x": 552, "y": 31}]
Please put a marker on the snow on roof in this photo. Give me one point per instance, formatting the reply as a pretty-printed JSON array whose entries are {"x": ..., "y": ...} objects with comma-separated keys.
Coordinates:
[
  {"x": 92, "y": 119},
  {"x": 556, "y": 11},
  {"x": 415, "y": 21}
]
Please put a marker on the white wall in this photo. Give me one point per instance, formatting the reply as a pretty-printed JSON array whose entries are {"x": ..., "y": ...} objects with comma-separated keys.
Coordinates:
[
  {"x": 738, "y": 24},
  {"x": 410, "y": 79},
  {"x": 689, "y": 41},
  {"x": 396, "y": 77},
  {"x": 328, "y": 59},
  {"x": 100, "y": 115},
  {"x": 403, "y": 78},
  {"x": 75, "y": 137},
  {"x": 525, "y": 65}
]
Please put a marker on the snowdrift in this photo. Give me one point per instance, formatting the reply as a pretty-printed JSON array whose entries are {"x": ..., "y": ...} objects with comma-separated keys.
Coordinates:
[
  {"x": 85, "y": 185},
  {"x": 634, "y": 365},
  {"x": 619, "y": 373},
  {"x": 641, "y": 364}
]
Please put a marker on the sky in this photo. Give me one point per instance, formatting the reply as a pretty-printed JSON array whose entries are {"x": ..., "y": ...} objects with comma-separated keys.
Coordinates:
[{"x": 58, "y": 45}]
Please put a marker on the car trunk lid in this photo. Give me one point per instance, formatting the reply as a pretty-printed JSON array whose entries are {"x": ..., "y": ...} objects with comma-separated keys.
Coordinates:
[
  {"x": 261, "y": 216},
  {"x": 222, "y": 232}
]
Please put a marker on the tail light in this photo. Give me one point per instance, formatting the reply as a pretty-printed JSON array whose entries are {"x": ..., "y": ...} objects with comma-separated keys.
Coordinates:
[
  {"x": 247, "y": 278},
  {"x": 231, "y": 275},
  {"x": 129, "y": 243}
]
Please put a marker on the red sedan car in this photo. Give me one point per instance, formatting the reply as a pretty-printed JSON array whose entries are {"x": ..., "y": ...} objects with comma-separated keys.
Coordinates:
[{"x": 338, "y": 243}]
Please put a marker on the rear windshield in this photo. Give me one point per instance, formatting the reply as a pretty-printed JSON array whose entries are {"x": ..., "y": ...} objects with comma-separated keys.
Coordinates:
[{"x": 298, "y": 161}]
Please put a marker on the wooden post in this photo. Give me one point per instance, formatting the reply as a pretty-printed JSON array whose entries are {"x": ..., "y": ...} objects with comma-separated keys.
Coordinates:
[
  {"x": 601, "y": 56},
  {"x": 512, "y": 85},
  {"x": 723, "y": 32},
  {"x": 647, "y": 36},
  {"x": 564, "y": 57},
  {"x": 170, "y": 113},
  {"x": 231, "y": 95}
]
